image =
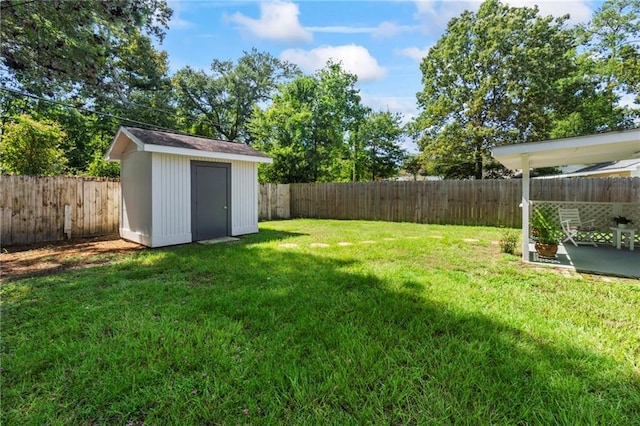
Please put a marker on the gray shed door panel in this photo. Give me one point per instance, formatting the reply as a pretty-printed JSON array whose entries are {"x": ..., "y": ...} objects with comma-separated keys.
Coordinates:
[{"x": 210, "y": 210}]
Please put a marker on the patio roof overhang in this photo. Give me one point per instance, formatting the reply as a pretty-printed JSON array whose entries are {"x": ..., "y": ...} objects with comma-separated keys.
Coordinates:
[{"x": 588, "y": 149}]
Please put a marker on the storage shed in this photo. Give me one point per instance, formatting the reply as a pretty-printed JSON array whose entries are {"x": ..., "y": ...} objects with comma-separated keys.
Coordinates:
[{"x": 178, "y": 188}]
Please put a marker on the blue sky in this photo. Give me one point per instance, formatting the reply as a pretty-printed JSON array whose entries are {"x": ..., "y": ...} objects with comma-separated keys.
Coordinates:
[{"x": 380, "y": 41}]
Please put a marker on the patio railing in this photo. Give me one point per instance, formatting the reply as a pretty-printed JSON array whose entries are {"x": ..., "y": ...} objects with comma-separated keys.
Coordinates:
[{"x": 601, "y": 213}]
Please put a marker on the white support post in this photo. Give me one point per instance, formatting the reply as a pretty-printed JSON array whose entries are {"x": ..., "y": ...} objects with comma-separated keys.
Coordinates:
[{"x": 525, "y": 207}]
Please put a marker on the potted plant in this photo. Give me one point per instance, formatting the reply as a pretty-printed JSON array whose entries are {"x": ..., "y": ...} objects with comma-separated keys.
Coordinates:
[
  {"x": 622, "y": 222},
  {"x": 545, "y": 234}
]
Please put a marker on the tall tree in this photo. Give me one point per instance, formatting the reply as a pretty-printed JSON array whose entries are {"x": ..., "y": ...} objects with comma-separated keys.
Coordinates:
[
  {"x": 612, "y": 34},
  {"x": 75, "y": 57},
  {"x": 611, "y": 55},
  {"x": 381, "y": 133},
  {"x": 414, "y": 165},
  {"x": 490, "y": 80},
  {"x": 308, "y": 126},
  {"x": 220, "y": 103},
  {"x": 596, "y": 95}
]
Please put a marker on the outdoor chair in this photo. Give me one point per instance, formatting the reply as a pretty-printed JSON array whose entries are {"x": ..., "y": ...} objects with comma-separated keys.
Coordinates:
[{"x": 572, "y": 226}]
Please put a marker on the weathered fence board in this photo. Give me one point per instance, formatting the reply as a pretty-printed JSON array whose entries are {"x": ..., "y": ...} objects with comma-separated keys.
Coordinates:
[
  {"x": 470, "y": 202},
  {"x": 273, "y": 202},
  {"x": 32, "y": 208}
]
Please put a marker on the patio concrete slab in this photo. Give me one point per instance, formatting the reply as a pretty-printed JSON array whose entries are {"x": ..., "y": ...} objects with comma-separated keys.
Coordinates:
[{"x": 602, "y": 260}]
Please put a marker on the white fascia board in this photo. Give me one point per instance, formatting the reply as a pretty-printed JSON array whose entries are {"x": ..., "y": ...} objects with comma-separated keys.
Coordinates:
[
  {"x": 583, "y": 149},
  {"x": 206, "y": 154},
  {"x": 569, "y": 143},
  {"x": 116, "y": 149}
]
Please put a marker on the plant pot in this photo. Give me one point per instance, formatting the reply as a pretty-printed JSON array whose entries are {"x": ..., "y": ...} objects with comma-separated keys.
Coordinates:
[
  {"x": 546, "y": 249},
  {"x": 622, "y": 225}
]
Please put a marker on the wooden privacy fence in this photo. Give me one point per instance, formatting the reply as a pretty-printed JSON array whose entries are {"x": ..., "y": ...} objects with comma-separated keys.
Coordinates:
[
  {"x": 274, "y": 202},
  {"x": 37, "y": 209},
  {"x": 469, "y": 202}
]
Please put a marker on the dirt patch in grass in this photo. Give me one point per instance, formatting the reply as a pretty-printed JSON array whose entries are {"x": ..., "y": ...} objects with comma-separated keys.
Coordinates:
[{"x": 51, "y": 257}]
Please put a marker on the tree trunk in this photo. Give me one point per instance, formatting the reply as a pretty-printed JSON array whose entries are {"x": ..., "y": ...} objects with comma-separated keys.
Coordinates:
[{"x": 478, "y": 164}]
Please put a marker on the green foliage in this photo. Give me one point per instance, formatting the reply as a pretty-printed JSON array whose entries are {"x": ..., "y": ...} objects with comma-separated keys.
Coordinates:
[
  {"x": 99, "y": 167},
  {"x": 488, "y": 81},
  {"x": 622, "y": 220},
  {"x": 31, "y": 147},
  {"x": 51, "y": 46},
  {"x": 604, "y": 75},
  {"x": 380, "y": 134},
  {"x": 307, "y": 128},
  {"x": 544, "y": 228},
  {"x": 414, "y": 165},
  {"x": 509, "y": 241},
  {"x": 219, "y": 104},
  {"x": 77, "y": 54}
]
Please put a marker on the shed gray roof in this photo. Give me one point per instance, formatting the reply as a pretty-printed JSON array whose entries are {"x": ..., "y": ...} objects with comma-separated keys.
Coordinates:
[
  {"x": 610, "y": 166},
  {"x": 175, "y": 140}
]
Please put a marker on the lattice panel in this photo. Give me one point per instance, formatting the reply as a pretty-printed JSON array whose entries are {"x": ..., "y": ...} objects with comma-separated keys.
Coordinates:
[{"x": 601, "y": 213}]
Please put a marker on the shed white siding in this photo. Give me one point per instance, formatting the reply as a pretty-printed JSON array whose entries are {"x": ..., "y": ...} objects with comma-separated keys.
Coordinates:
[
  {"x": 244, "y": 198},
  {"x": 136, "y": 213},
  {"x": 160, "y": 186},
  {"x": 156, "y": 185},
  {"x": 171, "y": 199}
]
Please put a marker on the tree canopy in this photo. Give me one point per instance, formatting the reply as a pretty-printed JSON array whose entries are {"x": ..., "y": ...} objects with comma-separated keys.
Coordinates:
[
  {"x": 490, "y": 80},
  {"x": 499, "y": 75},
  {"x": 219, "y": 104},
  {"x": 50, "y": 46},
  {"x": 317, "y": 130}
]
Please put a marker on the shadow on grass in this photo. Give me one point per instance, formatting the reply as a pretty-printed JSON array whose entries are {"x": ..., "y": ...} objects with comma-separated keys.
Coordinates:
[
  {"x": 266, "y": 235},
  {"x": 249, "y": 334}
]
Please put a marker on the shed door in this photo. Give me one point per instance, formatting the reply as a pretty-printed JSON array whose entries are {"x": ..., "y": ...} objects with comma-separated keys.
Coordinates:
[{"x": 210, "y": 190}]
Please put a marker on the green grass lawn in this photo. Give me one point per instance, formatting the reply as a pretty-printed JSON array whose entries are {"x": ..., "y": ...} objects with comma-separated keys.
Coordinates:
[{"x": 406, "y": 324}]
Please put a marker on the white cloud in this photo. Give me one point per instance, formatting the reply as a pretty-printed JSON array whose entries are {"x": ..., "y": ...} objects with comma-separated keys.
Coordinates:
[
  {"x": 355, "y": 59},
  {"x": 278, "y": 21},
  {"x": 579, "y": 10},
  {"x": 341, "y": 29},
  {"x": 176, "y": 22},
  {"x": 388, "y": 29},
  {"x": 384, "y": 30},
  {"x": 413, "y": 52},
  {"x": 434, "y": 15}
]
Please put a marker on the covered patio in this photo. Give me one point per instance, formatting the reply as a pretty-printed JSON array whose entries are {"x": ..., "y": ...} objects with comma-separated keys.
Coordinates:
[
  {"x": 613, "y": 146},
  {"x": 604, "y": 259}
]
